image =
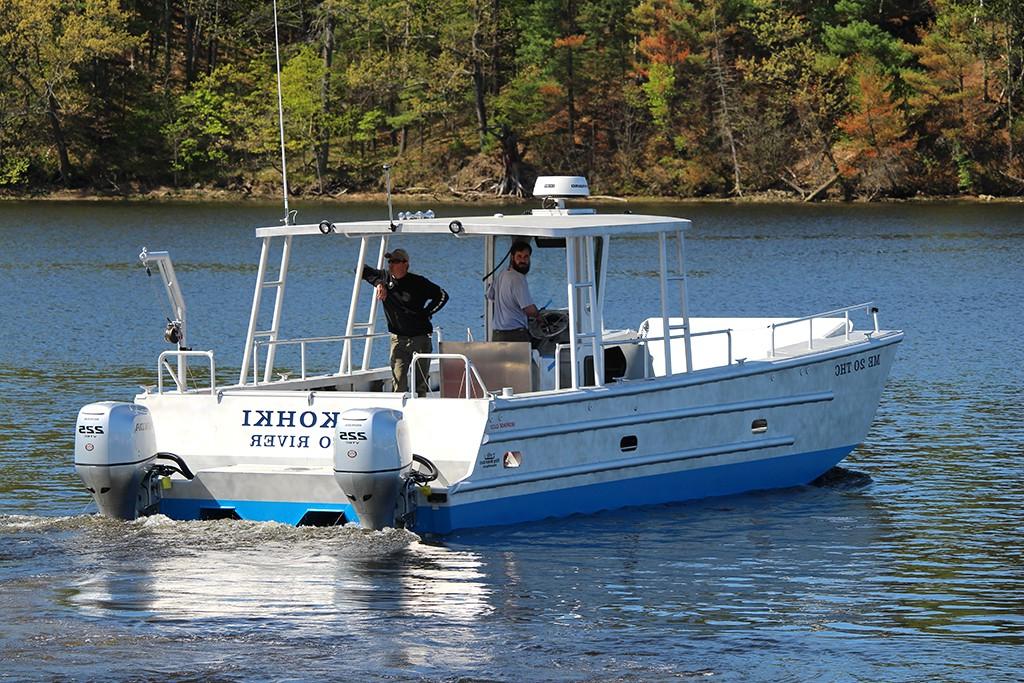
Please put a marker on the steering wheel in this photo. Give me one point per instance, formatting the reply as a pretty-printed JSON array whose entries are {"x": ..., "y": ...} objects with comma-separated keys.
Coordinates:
[{"x": 548, "y": 324}]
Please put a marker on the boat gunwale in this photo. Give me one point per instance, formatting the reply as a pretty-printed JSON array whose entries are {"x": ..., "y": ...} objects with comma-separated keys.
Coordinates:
[{"x": 713, "y": 374}]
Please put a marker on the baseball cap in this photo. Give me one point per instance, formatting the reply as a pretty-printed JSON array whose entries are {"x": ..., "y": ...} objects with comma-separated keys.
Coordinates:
[{"x": 397, "y": 255}]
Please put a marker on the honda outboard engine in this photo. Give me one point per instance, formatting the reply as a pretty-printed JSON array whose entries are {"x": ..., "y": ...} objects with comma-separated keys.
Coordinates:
[
  {"x": 115, "y": 448},
  {"x": 370, "y": 465}
]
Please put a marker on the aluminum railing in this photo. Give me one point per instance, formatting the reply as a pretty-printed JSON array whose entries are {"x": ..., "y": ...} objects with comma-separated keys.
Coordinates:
[
  {"x": 304, "y": 341},
  {"x": 868, "y": 307},
  {"x": 180, "y": 382},
  {"x": 469, "y": 373},
  {"x": 644, "y": 340},
  {"x": 727, "y": 332}
]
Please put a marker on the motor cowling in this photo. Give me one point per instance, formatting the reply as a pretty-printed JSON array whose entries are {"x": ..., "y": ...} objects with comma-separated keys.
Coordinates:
[
  {"x": 115, "y": 448},
  {"x": 370, "y": 464}
]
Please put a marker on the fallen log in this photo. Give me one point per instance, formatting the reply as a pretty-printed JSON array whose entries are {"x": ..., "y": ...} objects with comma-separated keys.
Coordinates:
[
  {"x": 822, "y": 188},
  {"x": 799, "y": 190}
]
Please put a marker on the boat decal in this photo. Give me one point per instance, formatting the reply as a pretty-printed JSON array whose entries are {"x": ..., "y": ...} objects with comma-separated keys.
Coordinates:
[
  {"x": 289, "y": 419},
  {"x": 488, "y": 460},
  {"x": 327, "y": 419},
  {"x": 849, "y": 367},
  {"x": 284, "y": 441}
]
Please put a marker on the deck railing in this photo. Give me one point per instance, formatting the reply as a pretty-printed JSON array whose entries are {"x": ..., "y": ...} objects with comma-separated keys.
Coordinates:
[
  {"x": 182, "y": 382},
  {"x": 469, "y": 373},
  {"x": 868, "y": 307},
  {"x": 303, "y": 342},
  {"x": 707, "y": 333}
]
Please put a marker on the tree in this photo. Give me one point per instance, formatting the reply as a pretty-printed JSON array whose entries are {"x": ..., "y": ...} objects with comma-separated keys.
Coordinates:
[
  {"x": 45, "y": 44},
  {"x": 309, "y": 122},
  {"x": 696, "y": 45},
  {"x": 949, "y": 101},
  {"x": 224, "y": 121},
  {"x": 877, "y": 142},
  {"x": 796, "y": 93}
]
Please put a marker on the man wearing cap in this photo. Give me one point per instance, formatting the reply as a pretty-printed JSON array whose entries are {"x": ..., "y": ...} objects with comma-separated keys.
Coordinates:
[{"x": 409, "y": 302}]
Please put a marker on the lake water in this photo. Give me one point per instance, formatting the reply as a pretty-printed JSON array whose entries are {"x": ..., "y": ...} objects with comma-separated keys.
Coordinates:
[{"x": 906, "y": 565}]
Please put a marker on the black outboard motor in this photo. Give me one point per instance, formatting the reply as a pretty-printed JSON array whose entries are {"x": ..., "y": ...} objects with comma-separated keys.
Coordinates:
[
  {"x": 370, "y": 465},
  {"x": 115, "y": 449}
]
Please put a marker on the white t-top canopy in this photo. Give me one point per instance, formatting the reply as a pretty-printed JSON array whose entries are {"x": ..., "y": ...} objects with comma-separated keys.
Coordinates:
[{"x": 498, "y": 224}]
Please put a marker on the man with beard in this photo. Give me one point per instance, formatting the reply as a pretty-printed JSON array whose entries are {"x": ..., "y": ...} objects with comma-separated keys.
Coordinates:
[{"x": 513, "y": 305}]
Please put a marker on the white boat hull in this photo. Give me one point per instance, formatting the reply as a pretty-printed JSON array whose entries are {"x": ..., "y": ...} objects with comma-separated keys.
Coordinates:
[
  {"x": 264, "y": 454},
  {"x": 694, "y": 439}
]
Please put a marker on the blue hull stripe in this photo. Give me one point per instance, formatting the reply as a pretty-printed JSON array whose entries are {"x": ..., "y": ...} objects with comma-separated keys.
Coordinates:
[
  {"x": 555, "y": 473},
  {"x": 707, "y": 482},
  {"x": 255, "y": 510},
  {"x": 724, "y": 480}
]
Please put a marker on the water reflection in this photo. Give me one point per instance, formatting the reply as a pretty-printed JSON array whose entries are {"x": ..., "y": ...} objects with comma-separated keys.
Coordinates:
[
  {"x": 229, "y": 579},
  {"x": 247, "y": 573}
]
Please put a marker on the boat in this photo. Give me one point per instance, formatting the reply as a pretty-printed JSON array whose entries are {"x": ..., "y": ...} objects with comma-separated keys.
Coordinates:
[{"x": 581, "y": 420}]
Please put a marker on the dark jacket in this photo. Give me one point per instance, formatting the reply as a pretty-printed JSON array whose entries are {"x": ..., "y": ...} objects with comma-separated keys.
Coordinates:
[{"x": 410, "y": 303}]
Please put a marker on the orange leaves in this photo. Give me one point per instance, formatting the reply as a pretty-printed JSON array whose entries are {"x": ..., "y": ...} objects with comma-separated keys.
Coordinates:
[
  {"x": 551, "y": 89},
  {"x": 663, "y": 49},
  {"x": 661, "y": 40},
  {"x": 875, "y": 117},
  {"x": 571, "y": 42},
  {"x": 877, "y": 142}
]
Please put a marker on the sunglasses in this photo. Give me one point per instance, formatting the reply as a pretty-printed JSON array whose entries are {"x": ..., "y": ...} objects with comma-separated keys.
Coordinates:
[{"x": 396, "y": 260}]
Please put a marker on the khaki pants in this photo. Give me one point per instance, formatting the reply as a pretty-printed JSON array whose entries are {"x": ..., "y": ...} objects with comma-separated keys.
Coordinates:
[{"x": 402, "y": 349}]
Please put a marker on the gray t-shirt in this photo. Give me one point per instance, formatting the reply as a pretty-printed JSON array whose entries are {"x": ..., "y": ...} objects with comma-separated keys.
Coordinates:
[{"x": 511, "y": 294}]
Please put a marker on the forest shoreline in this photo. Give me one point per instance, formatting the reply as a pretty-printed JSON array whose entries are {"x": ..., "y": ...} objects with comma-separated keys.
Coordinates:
[{"x": 201, "y": 195}]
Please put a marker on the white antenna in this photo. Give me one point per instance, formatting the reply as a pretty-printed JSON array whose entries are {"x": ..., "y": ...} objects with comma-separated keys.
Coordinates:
[
  {"x": 280, "y": 119},
  {"x": 387, "y": 184}
]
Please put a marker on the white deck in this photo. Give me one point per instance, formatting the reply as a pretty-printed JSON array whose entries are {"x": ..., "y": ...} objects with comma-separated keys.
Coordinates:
[{"x": 751, "y": 339}]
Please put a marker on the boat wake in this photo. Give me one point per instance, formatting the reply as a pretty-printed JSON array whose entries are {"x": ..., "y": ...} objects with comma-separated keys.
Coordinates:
[{"x": 224, "y": 535}]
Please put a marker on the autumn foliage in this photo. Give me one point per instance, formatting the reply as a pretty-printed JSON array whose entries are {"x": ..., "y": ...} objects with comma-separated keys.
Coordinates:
[{"x": 854, "y": 99}]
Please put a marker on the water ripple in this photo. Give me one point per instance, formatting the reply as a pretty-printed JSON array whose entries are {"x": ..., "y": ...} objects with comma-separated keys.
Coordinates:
[{"x": 904, "y": 565}]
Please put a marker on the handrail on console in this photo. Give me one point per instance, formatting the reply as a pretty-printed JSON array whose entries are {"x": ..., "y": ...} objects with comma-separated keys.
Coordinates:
[{"x": 470, "y": 372}]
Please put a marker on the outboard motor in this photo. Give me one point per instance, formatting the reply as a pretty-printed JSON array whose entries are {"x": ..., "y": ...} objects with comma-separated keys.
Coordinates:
[
  {"x": 370, "y": 465},
  {"x": 115, "y": 449}
]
